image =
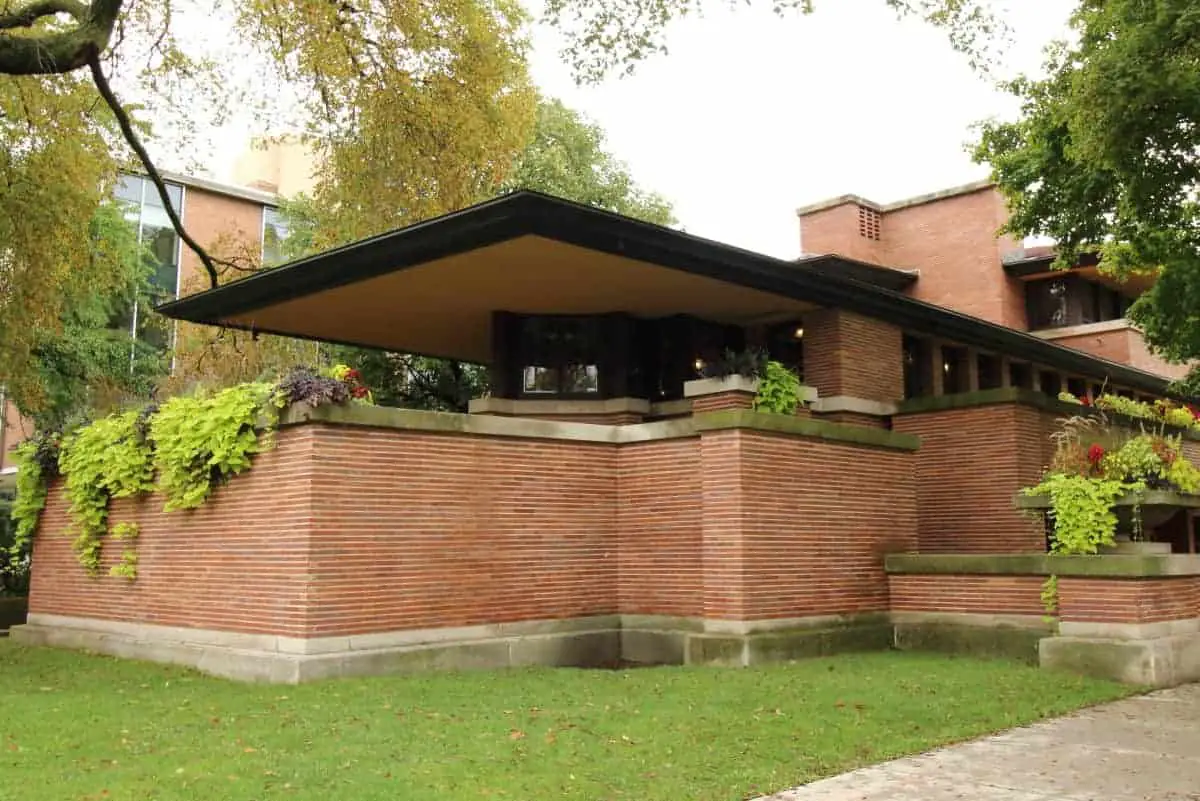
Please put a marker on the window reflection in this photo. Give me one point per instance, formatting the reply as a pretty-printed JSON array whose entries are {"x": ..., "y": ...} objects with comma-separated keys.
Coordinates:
[{"x": 160, "y": 248}]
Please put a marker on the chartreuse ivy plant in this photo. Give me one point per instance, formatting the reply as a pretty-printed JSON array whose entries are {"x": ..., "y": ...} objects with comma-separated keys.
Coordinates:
[
  {"x": 199, "y": 441},
  {"x": 1095, "y": 464},
  {"x": 180, "y": 450},
  {"x": 778, "y": 390},
  {"x": 101, "y": 461}
]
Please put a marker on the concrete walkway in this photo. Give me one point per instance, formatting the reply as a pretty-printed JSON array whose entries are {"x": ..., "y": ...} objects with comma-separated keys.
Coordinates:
[{"x": 1139, "y": 749}]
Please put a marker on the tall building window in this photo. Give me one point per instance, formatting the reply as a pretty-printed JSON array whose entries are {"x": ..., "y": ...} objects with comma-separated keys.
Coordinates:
[
  {"x": 1071, "y": 300},
  {"x": 145, "y": 211},
  {"x": 275, "y": 233}
]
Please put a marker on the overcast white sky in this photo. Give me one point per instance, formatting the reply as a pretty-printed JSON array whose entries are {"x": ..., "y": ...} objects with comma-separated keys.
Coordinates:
[{"x": 752, "y": 115}]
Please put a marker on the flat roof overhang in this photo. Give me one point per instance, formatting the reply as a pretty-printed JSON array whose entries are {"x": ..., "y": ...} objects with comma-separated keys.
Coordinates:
[{"x": 430, "y": 288}]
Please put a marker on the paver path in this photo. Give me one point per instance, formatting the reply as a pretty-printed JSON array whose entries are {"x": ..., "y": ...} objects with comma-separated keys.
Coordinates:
[{"x": 1139, "y": 749}]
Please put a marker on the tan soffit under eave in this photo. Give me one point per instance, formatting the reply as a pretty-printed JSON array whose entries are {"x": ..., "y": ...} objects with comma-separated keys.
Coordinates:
[{"x": 444, "y": 307}]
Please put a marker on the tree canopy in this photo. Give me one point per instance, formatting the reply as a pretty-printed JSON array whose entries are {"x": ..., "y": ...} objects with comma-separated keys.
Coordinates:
[
  {"x": 606, "y": 36},
  {"x": 416, "y": 109},
  {"x": 1106, "y": 156},
  {"x": 566, "y": 157}
]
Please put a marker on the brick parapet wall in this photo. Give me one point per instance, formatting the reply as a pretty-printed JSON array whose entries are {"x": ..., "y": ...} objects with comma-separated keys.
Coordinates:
[
  {"x": 238, "y": 563},
  {"x": 1128, "y": 600},
  {"x": 349, "y": 529},
  {"x": 971, "y": 464},
  {"x": 818, "y": 518},
  {"x": 967, "y": 594}
]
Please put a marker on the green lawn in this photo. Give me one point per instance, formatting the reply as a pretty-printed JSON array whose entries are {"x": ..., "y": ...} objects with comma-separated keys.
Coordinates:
[{"x": 85, "y": 727}]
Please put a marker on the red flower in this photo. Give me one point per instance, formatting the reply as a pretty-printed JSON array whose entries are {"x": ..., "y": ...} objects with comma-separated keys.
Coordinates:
[
  {"x": 1095, "y": 454},
  {"x": 353, "y": 375},
  {"x": 359, "y": 392},
  {"x": 1086, "y": 400},
  {"x": 1194, "y": 410}
]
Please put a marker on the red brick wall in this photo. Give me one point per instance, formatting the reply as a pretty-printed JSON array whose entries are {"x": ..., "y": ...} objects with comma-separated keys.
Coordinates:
[
  {"x": 722, "y": 524},
  {"x": 836, "y": 230},
  {"x": 722, "y": 400},
  {"x": 659, "y": 510},
  {"x": 417, "y": 530},
  {"x": 817, "y": 519},
  {"x": 952, "y": 241},
  {"x": 969, "y": 467},
  {"x": 1103, "y": 600},
  {"x": 993, "y": 595},
  {"x": 847, "y": 354},
  {"x": 224, "y": 225},
  {"x": 237, "y": 563}
]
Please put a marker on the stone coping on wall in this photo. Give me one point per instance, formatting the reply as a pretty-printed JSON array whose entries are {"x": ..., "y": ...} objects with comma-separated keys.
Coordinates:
[
  {"x": 490, "y": 425},
  {"x": 1025, "y": 397},
  {"x": 1106, "y": 566},
  {"x": 806, "y": 427},
  {"x": 484, "y": 424},
  {"x": 1146, "y": 498}
]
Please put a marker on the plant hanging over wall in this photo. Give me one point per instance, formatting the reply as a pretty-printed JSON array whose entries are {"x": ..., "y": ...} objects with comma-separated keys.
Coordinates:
[
  {"x": 1095, "y": 464},
  {"x": 180, "y": 449}
]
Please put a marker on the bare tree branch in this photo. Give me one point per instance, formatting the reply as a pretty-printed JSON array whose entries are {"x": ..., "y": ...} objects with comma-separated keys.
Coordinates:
[
  {"x": 131, "y": 137},
  {"x": 56, "y": 51}
]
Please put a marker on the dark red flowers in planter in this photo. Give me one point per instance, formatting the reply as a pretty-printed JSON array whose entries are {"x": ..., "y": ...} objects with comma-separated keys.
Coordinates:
[{"x": 1095, "y": 454}]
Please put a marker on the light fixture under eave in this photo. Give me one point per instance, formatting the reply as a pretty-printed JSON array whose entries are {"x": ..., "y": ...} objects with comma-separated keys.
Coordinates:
[
  {"x": 798, "y": 333},
  {"x": 945, "y": 367},
  {"x": 699, "y": 365}
]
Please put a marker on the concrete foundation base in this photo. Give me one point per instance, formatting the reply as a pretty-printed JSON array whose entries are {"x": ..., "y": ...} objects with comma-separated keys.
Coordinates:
[
  {"x": 597, "y": 642},
  {"x": 1158, "y": 662},
  {"x": 992, "y": 636}
]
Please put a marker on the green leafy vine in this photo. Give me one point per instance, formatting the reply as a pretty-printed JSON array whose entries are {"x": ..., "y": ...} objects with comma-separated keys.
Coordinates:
[
  {"x": 201, "y": 441},
  {"x": 105, "y": 460},
  {"x": 181, "y": 450},
  {"x": 778, "y": 390}
]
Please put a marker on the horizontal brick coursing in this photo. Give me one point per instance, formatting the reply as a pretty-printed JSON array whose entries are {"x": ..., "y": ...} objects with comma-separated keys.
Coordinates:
[
  {"x": 1150, "y": 600},
  {"x": 419, "y": 530},
  {"x": 848, "y": 354},
  {"x": 659, "y": 509},
  {"x": 720, "y": 401},
  {"x": 993, "y": 595},
  {"x": 237, "y": 563},
  {"x": 969, "y": 468},
  {"x": 816, "y": 519}
]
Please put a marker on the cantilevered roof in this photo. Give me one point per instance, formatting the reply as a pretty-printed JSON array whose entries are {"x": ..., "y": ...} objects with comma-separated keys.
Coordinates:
[{"x": 430, "y": 288}]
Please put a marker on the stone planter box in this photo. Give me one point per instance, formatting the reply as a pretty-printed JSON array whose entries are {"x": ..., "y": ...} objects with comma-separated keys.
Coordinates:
[{"x": 1157, "y": 507}]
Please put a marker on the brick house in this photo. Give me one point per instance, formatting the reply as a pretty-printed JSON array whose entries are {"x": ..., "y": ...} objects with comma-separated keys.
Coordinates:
[
  {"x": 946, "y": 250},
  {"x": 603, "y": 505}
]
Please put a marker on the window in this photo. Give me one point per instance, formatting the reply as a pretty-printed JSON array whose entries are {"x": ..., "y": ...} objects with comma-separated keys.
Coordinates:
[
  {"x": 1071, "y": 300},
  {"x": 918, "y": 367},
  {"x": 560, "y": 356},
  {"x": 145, "y": 211},
  {"x": 275, "y": 233},
  {"x": 785, "y": 344},
  {"x": 990, "y": 370},
  {"x": 956, "y": 375}
]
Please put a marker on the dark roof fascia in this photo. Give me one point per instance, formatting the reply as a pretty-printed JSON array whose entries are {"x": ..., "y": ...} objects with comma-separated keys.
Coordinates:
[
  {"x": 524, "y": 213},
  {"x": 886, "y": 277},
  {"x": 1023, "y": 268}
]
